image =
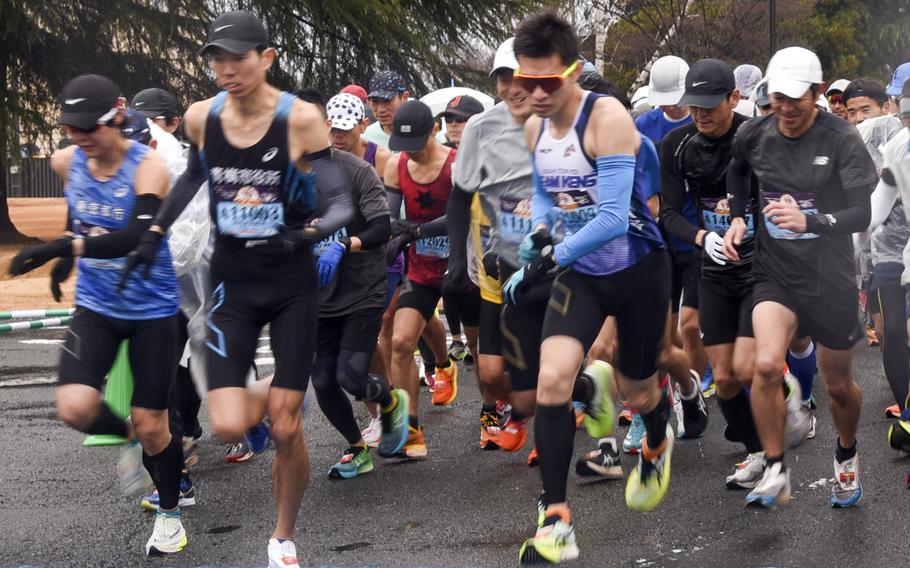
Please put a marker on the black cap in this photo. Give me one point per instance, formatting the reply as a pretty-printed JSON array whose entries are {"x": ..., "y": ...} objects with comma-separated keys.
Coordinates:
[
  {"x": 411, "y": 127},
  {"x": 237, "y": 32},
  {"x": 136, "y": 127},
  {"x": 386, "y": 85},
  {"x": 154, "y": 103},
  {"x": 462, "y": 106},
  {"x": 87, "y": 101},
  {"x": 708, "y": 83}
]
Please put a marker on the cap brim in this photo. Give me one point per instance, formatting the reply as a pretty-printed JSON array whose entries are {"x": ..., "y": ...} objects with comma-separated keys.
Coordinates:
[
  {"x": 387, "y": 95},
  {"x": 343, "y": 124},
  {"x": 80, "y": 120},
  {"x": 500, "y": 68},
  {"x": 149, "y": 113},
  {"x": 894, "y": 90},
  {"x": 231, "y": 45},
  {"x": 792, "y": 88},
  {"x": 665, "y": 99},
  {"x": 408, "y": 143},
  {"x": 702, "y": 101}
]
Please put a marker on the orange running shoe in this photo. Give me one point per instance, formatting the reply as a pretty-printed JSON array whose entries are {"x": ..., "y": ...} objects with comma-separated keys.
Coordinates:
[
  {"x": 445, "y": 387},
  {"x": 893, "y": 411},
  {"x": 579, "y": 416},
  {"x": 489, "y": 431},
  {"x": 416, "y": 447},
  {"x": 513, "y": 434},
  {"x": 532, "y": 457}
]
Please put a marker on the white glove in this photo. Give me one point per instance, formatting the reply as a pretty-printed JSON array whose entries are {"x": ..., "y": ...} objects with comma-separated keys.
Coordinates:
[{"x": 714, "y": 248}]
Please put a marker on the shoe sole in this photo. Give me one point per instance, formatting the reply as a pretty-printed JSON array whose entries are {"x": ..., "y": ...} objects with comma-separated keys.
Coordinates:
[
  {"x": 662, "y": 492},
  {"x": 602, "y": 425},
  {"x": 241, "y": 459},
  {"x": 164, "y": 551},
  {"x": 851, "y": 502},
  {"x": 530, "y": 555},
  {"x": 335, "y": 473},
  {"x": 585, "y": 468},
  {"x": 774, "y": 502},
  {"x": 736, "y": 486},
  {"x": 454, "y": 394}
]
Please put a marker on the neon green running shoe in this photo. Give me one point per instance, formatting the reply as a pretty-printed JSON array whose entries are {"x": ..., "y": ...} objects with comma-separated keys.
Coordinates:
[
  {"x": 554, "y": 541},
  {"x": 355, "y": 461},
  {"x": 648, "y": 482},
  {"x": 601, "y": 411}
]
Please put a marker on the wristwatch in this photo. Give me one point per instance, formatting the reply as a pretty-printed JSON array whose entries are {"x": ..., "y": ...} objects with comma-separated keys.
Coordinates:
[
  {"x": 548, "y": 257},
  {"x": 825, "y": 220}
]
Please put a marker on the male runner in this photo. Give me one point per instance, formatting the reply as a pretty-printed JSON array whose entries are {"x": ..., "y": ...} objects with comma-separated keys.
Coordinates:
[
  {"x": 835, "y": 98},
  {"x": 270, "y": 170},
  {"x": 815, "y": 180},
  {"x": 387, "y": 92},
  {"x": 113, "y": 188},
  {"x": 590, "y": 191},
  {"x": 159, "y": 106}
]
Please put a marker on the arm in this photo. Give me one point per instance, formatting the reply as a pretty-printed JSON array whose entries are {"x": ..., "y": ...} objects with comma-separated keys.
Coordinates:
[
  {"x": 541, "y": 202},
  {"x": 458, "y": 219},
  {"x": 375, "y": 208},
  {"x": 673, "y": 195},
  {"x": 333, "y": 192},
  {"x": 883, "y": 199}
]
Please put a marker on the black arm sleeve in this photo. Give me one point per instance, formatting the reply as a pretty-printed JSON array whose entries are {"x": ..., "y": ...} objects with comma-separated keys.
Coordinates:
[
  {"x": 673, "y": 194},
  {"x": 119, "y": 243},
  {"x": 739, "y": 186},
  {"x": 395, "y": 198},
  {"x": 184, "y": 190},
  {"x": 852, "y": 219},
  {"x": 333, "y": 192},
  {"x": 458, "y": 221},
  {"x": 434, "y": 228},
  {"x": 376, "y": 234}
]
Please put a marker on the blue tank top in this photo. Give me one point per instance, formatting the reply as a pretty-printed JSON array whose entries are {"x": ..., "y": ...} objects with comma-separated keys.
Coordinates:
[
  {"x": 569, "y": 176},
  {"x": 100, "y": 207}
]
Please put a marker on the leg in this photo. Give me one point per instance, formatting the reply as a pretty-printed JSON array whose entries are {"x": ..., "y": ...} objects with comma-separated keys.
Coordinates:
[
  {"x": 895, "y": 353},
  {"x": 409, "y": 324},
  {"x": 845, "y": 398},
  {"x": 690, "y": 332},
  {"x": 291, "y": 466},
  {"x": 774, "y": 325}
]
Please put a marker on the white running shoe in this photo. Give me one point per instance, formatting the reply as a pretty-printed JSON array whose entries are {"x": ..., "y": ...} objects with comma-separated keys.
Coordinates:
[
  {"x": 133, "y": 477},
  {"x": 799, "y": 418},
  {"x": 847, "y": 490},
  {"x": 812, "y": 420},
  {"x": 748, "y": 472},
  {"x": 282, "y": 554},
  {"x": 168, "y": 536},
  {"x": 372, "y": 433},
  {"x": 773, "y": 490}
]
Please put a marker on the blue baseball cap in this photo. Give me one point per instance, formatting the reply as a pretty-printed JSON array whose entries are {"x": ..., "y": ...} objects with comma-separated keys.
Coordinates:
[
  {"x": 897, "y": 80},
  {"x": 136, "y": 127}
]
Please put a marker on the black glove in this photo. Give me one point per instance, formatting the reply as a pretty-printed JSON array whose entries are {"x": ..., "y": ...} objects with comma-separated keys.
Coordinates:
[
  {"x": 525, "y": 278},
  {"x": 35, "y": 256},
  {"x": 293, "y": 240},
  {"x": 394, "y": 247},
  {"x": 409, "y": 230},
  {"x": 59, "y": 274},
  {"x": 490, "y": 263},
  {"x": 144, "y": 253},
  {"x": 455, "y": 283}
]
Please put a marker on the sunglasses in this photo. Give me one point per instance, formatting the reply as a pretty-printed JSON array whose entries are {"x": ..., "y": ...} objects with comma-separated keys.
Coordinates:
[
  {"x": 456, "y": 119},
  {"x": 549, "y": 83},
  {"x": 84, "y": 130}
]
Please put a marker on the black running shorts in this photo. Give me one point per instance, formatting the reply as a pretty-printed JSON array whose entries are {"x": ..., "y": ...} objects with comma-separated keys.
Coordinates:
[
  {"x": 686, "y": 275},
  {"x": 422, "y": 298},
  {"x": 522, "y": 328},
  {"x": 725, "y": 310},
  {"x": 490, "y": 340},
  {"x": 357, "y": 331}
]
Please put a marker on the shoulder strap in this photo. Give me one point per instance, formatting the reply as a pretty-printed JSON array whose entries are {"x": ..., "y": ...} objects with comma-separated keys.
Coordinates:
[
  {"x": 402, "y": 168},
  {"x": 582, "y": 123},
  {"x": 217, "y": 104},
  {"x": 285, "y": 102}
]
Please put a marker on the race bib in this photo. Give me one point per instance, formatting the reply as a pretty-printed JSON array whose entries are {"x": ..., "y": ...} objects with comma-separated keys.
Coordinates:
[
  {"x": 437, "y": 247},
  {"x": 248, "y": 211},
  {"x": 574, "y": 209},
  {"x": 514, "y": 219},
  {"x": 324, "y": 244},
  {"x": 715, "y": 215},
  {"x": 806, "y": 204}
]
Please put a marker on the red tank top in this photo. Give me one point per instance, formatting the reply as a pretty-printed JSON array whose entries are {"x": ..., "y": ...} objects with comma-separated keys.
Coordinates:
[{"x": 429, "y": 257}]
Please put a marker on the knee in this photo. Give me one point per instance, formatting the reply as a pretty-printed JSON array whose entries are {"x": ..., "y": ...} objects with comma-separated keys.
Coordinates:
[
  {"x": 727, "y": 386},
  {"x": 769, "y": 367},
  {"x": 551, "y": 385},
  {"x": 286, "y": 428},
  {"x": 228, "y": 427},
  {"x": 690, "y": 331},
  {"x": 402, "y": 345},
  {"x": 76, "y": 414}
]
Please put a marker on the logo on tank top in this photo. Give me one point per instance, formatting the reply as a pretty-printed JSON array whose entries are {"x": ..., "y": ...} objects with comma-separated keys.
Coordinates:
[
  {"x": 569, "y": 151},
  {"x": 425, "y": 200},
  {"x": 270, "y": 154},
  {"x": 121, "y": 191}
]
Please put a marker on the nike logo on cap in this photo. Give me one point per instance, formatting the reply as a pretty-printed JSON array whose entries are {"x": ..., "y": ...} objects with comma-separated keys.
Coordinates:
[
  {"x": 699, "y": 83},
  {"x": 73, "y": 101},
  {"x": 219, "y": 28}
]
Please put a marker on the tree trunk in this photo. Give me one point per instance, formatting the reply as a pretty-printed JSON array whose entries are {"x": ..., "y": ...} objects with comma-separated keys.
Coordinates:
[
  {"x": 8, "y": 231},
  {"x": 645, "y": 74}
]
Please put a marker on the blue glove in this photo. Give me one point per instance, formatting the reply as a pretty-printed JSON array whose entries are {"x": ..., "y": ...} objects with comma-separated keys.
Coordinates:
[
  {"x": 531, "y": 245},
  {"x": 328, "y": 262},
  {"x": 528, "y": 275}
]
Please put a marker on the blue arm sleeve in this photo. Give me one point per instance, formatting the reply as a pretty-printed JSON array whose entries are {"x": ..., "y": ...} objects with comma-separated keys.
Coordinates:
[
  {"x": 541, "y": 202},
  {"x": 615, "y": 177}
]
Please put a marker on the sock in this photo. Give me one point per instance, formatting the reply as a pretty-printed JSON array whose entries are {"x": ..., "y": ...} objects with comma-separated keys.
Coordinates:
[
  {"x": 656, "y": 421},
  {"x": 445, "y": 365},
  {"x": 776, "y": 459},
  {"x": 516, "y": 416},
  {"x": 554, "y": 433},
  {"x": 108, "y": 423},
  {"x": 414, "y": 422},
  {"x": 583, "y": 390},
  {"x": 842, "y": 454},
  {"x": 488, "y": 409},
  {"x": 164, "y": 468},
  {"x": 802, "y": 365},
  {"x": 738, "y": 413}
]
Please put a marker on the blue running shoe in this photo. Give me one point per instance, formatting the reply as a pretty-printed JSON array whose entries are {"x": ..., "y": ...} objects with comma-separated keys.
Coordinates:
[
  {"x": 773, "y": 490},
  {"x": 394, "y": 425},
  {"x": 187, "y": 496},
  {"x": 632, "y": 442},
  {"x": 847, "y": 490},
  {"x": 707, "y": 382},
  {"x": 258, "y": 437}
]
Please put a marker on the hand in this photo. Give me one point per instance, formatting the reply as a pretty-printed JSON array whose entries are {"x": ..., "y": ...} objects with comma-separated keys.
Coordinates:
[
  {"x": 528, "y": 275},
  {"x": 733, "y": 238},
  {"x": 532, "y": 243},
  {"x": 327, "y": 265},
  {"x": 407, "y": 229},
  {"x": 294, "y": 240},
  {"x": 393, "y": 248},
  {"x": 788, "y": 217},
  {"x": 144, "y": 253},
  {"x": 455, "y": 282},
  {"x": 59, "y": 274},
  {"x": 713, "y": 245},
  {"x": 35, "y": 256},
  {"x": 490, "y": 263}
]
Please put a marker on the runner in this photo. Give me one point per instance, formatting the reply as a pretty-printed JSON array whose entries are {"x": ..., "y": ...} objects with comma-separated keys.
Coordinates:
[
  {"x": 835, "y": 98},
  {"x": 160, "y": 107},
  {"x": 611, "y": 261},
  {"x": 113, "y": 188},
  {"x": 387, "y": 92},
  {"x": 420, "y": 176},
  {"x": 815, "y": 181},
  {"x": 266, "y": 156}
]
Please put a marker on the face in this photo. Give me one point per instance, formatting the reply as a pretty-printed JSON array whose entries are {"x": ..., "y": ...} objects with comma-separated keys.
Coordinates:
[
  {"x": 861, "y": 108},
  {"x": 514, "y": 96},
  {"x": 715, "y": 122},
  {"x": 795, "y": 115},
  {"x": 164, "y": 125},
  {"x": 344, "y": 139},
  {"x": 675, "y": 112},
  {"x": 384, "y": 109},
  {"x": 836, "y": 102},
  {"x": 240, "y": 73},
  {"x": 543, "y": 103},
  {"x": 426, "y": 153},
  {"x": 454, "y": 128},
  {"x": 95, "y": 142}
]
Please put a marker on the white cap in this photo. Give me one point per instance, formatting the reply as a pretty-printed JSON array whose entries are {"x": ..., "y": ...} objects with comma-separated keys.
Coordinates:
[
  {"x": 640, "y": 97},
  {"x": 747, "y": 77},
  {"x": 792, "y": 71},
  {"x": 668, "y": 81},
  {"x": 839, "y": 85},
  {"x": 505, "y": 57},
  {"x": 345, "y": 111}
]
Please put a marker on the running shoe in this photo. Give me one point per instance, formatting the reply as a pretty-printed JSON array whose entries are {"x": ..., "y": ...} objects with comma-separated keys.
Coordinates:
[
  {"x": 649, "y": 481},
  {"x": 554, "y": 541},
  {"x": 513, "y": 434},
  {"x": 748, "y": 472},
  {"x": 625, "y": 415},
  {"x": 503, "y": 407},
  {"x": 893, "y": 411},
  {"x": 708, "y": 387},
  {"x": 446, "y": 385},
  {"x": 372, "y": 433},
  {"x": 602, "y": 462},
  {"x": 813, "y": 422},
  {"x": 355, "y": 461},
  {"x": 799, "y": 417},
  {"x": 190, "y": 455},
  {"x": 468, "y": 358},
  {"x": 258, "y": 437},
  {"x": 632, "y": 442},
  {"x": 694, "y": 413},
  {"x": 238, "y": 453},
  {"x": 394, "y": 425},
  {"x": 282, "y": 554},
  {"x": 899, "y": 436},
  {"x": 416, "y": 447},
  {"x": 579, "y": 409},
  {"x": 847, "y": 490},
  {"x": 730, "y": 435},
  {"x": 457, "y": 350},
  {"x": 489, "y": 431},
  {"x": 187, "y": 496},
  {"x": 533, "y": 458},
  {"x": 600, "y": 409},
  {"x": 133, "y": 476},
  {"x": 773, "y": 489},
  {"x": 168, "y": 536}
]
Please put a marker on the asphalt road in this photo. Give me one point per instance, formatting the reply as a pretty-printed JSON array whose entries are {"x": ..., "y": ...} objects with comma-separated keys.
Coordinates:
[{"x": 60, "y": 504}]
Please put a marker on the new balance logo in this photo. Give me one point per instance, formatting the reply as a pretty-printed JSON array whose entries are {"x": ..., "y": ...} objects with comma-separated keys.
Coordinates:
[{"x": 820, "y": 161}]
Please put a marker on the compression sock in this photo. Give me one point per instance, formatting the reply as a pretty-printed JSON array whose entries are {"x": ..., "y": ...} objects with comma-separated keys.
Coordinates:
[
  {"x": 108, "y": 423},
  {"x": 554, "y": 434},
  {"x": 656, "y": 421},
  {"x": 802, "y": 365},
  {"x": 583, "y": 390},
  {"x": 164, "y": 468},
  {"x": 738, "y": 413}
]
